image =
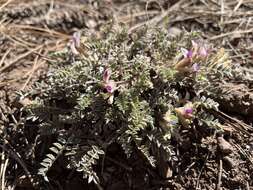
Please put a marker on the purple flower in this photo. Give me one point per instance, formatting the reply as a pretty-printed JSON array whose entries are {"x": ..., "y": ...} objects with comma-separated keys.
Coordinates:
[
  {"x": 199, "y": 50},
  {"x": 109, "y": 88},
  {"x": 75, "y": 42},
  {"x": 188, "y": 111},
  {"x": 189, "y": 54},
  {"x": 186, "y": 53},
  {"x": 109, "y": 85}
]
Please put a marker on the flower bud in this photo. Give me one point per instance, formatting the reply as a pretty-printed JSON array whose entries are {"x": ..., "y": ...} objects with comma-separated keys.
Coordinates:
[
  {"x": 202, "y": 52},
  {"x": 106, "y": 75}
]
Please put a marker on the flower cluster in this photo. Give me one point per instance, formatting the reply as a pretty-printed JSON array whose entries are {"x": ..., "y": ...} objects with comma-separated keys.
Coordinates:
[{"x": 192, "y": 57}]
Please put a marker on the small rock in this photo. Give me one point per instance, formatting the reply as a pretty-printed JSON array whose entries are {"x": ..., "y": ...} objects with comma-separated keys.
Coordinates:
[
  {"x": 229, "y": 161},
  {"x": 174, "y": 31},
  {"x": 91, "y": 23},
  {"x": 224, "y": 146}
]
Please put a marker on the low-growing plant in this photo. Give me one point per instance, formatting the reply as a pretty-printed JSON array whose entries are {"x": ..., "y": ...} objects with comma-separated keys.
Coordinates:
[{"x": 135, "y": 90}]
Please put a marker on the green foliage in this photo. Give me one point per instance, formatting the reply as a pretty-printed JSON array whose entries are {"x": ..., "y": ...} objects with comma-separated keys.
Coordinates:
[
  {"x": 152, "y": 90},
  {"x": 87, "y": 161},
  {"x": 56, "y": 151}
]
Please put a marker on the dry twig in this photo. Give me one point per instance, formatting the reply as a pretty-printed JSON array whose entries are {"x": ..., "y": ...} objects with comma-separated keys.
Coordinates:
[{"x": 219, "y": 174}]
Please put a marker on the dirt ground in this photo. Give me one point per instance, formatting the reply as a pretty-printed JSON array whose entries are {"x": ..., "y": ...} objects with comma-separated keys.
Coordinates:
[{"x": 30, "y": 30}]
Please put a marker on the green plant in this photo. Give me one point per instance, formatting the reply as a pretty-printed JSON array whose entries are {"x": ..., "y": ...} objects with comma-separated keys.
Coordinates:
[{"x": 133, "y": 90}]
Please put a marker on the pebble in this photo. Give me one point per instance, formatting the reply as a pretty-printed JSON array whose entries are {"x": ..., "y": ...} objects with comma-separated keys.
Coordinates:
[
  {"x": 224, "y": 146},
  {"x": 229, "y": 161}
]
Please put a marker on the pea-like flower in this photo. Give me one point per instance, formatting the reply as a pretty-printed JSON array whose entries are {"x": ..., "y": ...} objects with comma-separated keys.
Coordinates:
[
  {"x": 109, "y": 85},
  {"x": 75, "y": 43},
  {"x": 185, "y": 114},
  {"x": 189, "y": 54},
  {"x": 197, "y": 52},
  {"x": 186, "y": 53},
  {"x": 203, "y": 52}
]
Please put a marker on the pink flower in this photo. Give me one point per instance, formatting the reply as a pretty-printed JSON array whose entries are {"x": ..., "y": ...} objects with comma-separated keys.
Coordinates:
[
  {"x": 109, "y": 88},
  {"x": 186, "y": 53},
  {"x": 187, "y": 112},
  {"x": 189, "y": 54},
  {"x": 203, "y": 52},
  {"x": 109, "y": 85},
  {"x": 199, "y": 50}
]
